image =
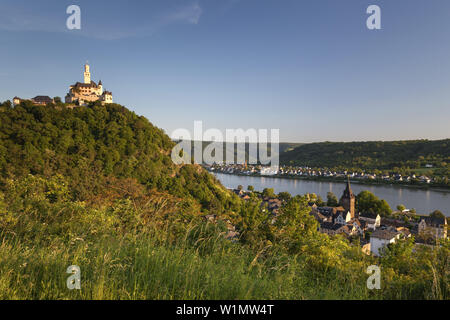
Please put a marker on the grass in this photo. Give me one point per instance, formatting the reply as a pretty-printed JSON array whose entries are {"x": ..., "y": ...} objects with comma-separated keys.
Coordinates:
[
  {"x": 129, "y": 249},
  {"x": 145, "y": 268}
]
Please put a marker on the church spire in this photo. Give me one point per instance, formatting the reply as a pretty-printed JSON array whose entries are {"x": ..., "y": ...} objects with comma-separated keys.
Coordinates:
[
  {"x": 348, "y": 199},
  {"x": 348, "y": 190}
]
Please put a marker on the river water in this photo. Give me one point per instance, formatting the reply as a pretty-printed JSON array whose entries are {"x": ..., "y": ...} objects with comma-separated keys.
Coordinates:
[{"x": 424, "y": 201}]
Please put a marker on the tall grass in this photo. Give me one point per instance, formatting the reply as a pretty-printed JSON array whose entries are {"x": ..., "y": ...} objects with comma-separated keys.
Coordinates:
[
  {"x": 148, "y": 268},
  {"x": 151, "y": 250}
]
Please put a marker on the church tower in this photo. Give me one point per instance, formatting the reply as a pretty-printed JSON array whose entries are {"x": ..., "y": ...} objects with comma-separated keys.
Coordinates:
[
  {"x": 348, "y": 199},
  {"x": 87, "y": 74}
]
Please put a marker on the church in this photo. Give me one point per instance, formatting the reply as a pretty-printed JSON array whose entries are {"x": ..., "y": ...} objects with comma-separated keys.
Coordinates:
[
  {"x": 348, "y": 199},
  {"x": 88, "y": 91}
]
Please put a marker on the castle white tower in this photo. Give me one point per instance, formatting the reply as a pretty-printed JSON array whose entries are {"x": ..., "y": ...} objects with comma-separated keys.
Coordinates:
[{"x": 87, "y": 74}]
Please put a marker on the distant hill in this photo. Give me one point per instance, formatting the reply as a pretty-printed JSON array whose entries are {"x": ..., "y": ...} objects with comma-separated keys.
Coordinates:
[
  {"x": 283, "y": 147},
  {"x": 370, "y": 155}
]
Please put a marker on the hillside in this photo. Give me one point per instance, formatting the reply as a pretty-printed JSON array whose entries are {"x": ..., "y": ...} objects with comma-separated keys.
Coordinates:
[
  {"x": 91, "y": 145},
  {"x": 283, "y": 147},
  {"x": 370, "y": 155}
]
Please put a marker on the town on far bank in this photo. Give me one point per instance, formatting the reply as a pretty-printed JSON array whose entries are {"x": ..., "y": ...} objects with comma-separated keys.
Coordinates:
[
  {"x": 367, "y": 176},
  {"x": 359, "y": 218}
]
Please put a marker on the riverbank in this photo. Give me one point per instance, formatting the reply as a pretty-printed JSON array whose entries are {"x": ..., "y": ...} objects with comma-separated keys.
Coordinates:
[
  {"x": 424, "y": 201},
  {"x": 343, "y": 180}
]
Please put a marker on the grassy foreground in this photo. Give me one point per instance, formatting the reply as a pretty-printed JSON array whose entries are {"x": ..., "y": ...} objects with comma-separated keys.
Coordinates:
[
  {"x": 150, "y": 248},
  {"x": 144, "y": 269}
]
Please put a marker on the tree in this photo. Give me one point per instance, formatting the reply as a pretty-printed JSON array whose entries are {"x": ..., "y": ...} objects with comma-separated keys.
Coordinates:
[
  {"x": 251, "y": 188},
  {"x": 240, "y": 187},
  {"x": 320, "y": 202},
  {"x": 268, "y": 192},
  {"x": 437, "y": 214},
  {"x": 57, "y": 99},
  {"x": 366, "y": 201},
  {"x": 332, "y": 200},
  {"x": 401, "y": 208},
  {"x": 294, "y": 224},
  {"x": 285, "y": 196},
  {"x": 253, "y": 221},
  {"x": 7, "y": 104}
]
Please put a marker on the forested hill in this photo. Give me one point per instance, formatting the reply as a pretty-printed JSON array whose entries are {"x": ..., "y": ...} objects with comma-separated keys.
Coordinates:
[
  {"x": 92, "y": 146},
  {"x": 370, "y": 155}
]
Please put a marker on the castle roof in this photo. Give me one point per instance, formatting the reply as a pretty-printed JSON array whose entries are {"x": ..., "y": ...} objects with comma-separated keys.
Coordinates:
[{"x": 92, "y": 84}]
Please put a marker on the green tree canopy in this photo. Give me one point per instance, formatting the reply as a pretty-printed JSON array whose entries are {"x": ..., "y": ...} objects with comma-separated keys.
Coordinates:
[{"x": 366, "y": 201}]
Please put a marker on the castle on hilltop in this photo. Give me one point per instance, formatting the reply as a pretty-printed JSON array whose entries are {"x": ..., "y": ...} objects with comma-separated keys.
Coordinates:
[{"x": 88, "y": 91}]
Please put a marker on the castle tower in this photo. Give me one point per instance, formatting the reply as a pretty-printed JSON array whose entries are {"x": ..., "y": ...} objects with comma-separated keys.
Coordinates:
[
  {"x": 100, "y": 86},
  {"x": 348, "y": 199},
  {"x": 87, "y": 74}
]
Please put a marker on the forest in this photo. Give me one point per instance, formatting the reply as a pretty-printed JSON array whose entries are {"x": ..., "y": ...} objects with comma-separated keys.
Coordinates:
[{"x": 392, "y": 155}]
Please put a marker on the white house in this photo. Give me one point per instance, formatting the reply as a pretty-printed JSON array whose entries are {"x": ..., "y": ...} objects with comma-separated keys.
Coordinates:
[
  {"x": 342, "y": 217},
  {"x": 381, "y": 238},
  {"x": 373, "y": 219}
]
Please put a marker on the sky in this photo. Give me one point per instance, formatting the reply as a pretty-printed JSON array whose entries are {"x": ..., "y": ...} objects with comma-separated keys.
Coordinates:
[{"x": 310, "y": 68}]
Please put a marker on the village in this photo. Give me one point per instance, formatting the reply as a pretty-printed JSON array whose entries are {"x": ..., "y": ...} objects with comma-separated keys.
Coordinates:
[
  {"x": 371, "y": 230},
  {"x": 314, "y": 173}
]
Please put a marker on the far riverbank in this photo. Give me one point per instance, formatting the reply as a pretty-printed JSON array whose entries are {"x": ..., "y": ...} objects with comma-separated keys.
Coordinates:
[{"x": 341, "y": 180}]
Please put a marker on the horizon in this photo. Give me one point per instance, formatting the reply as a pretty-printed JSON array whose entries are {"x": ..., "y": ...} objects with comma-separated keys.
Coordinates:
[{"x": 312, "y": 69}]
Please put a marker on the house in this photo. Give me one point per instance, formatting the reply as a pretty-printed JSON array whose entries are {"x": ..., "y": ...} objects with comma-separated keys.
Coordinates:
[
  {"x": 329, "y": 213},
  {"x": 373, "y": 220},
  {"x": 329, "y": 228},
  {"x": 317, "y": 215},
  {"x": 42, "y": 100},
  {"x": 334, "y": 229},
  {"x": 404, "y": 231},
  {"x": 349, "y": 230},
  {"x": 342, "y": 217},
  {"x": 360, "y": 226},
  {"x": 433, "y": 226},
  {"x": 38, "y": 100},
  {"x": 381, "y": 238}
]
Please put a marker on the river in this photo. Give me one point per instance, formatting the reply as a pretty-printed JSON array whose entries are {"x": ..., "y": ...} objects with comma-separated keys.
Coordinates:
[{"x": 424, "y": 201}]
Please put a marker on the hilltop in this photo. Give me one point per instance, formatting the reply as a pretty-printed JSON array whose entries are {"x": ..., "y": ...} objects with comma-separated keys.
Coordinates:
[{"x": 91, "y": 145}]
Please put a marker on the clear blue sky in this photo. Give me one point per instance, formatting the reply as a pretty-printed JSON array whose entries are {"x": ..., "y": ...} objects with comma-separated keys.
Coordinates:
[{"x": 310, "y": 68}]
